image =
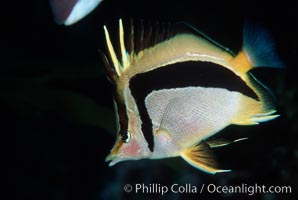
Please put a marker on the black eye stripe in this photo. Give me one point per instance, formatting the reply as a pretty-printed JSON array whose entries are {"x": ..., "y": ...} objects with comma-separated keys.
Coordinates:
[{"x": 122, "y": 113}]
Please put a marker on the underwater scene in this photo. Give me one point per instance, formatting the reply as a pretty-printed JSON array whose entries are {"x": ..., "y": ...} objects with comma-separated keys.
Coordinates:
[{"x": 151, "y": 100}]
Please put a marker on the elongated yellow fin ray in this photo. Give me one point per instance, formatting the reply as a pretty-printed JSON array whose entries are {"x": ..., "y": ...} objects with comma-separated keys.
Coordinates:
[
  {"x": 222, "y": 142},
  {"x": 125, "y": 58},
  {"x": 200, "y": 156},
  {"x": 112, "y": 52}
]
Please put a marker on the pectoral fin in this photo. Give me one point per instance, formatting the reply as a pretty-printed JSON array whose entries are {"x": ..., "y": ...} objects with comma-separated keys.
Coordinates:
[
  {"x": 222, "y": 142},
  {"x": 200, "y": 156}
]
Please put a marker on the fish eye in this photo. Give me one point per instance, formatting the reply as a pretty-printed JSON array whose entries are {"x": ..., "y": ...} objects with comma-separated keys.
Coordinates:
[{"x": 125, "y": 136}]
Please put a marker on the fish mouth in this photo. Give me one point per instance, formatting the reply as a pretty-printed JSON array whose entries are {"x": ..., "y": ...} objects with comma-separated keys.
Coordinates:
[
  {"x": 110, "y": 157},
  {"x": 113, "y": 159}
]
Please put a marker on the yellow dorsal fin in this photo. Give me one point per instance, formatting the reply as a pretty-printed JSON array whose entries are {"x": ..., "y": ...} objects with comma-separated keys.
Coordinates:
[
  {"x": 158, "y": 45},
  {"x": 222, "y": 142},
  {"x": 241, "y": 63},
  {"x": 201, "y": 157}
]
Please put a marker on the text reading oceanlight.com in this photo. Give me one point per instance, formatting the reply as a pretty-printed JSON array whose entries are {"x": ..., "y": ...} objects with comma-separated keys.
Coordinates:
[{"x": 156, "y": 188}]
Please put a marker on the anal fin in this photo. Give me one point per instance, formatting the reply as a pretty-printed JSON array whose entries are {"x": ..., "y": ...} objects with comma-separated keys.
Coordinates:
[
  {"x": 201, "y": 157},
  {"x": 215, "y": 143}
]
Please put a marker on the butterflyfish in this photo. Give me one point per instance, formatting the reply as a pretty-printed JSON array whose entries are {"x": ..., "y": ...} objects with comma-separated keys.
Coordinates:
[
  {"x": 68, "y": 12},
  {"x": 175, "y": 88}
]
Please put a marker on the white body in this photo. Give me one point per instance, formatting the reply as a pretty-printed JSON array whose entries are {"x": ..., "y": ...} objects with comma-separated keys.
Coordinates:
[{"x": 187, "y": 113}]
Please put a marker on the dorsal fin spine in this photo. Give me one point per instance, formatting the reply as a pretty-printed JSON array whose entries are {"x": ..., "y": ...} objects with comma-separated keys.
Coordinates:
[
  {"x": 132, "y": 35},
  {"x": 125, "y": 58},
  {"x": 112, "y": 52}
]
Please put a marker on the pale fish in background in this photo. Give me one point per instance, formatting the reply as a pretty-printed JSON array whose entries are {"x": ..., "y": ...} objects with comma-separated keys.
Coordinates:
[
  {"x": 176, "y": 89},
  {"x": 68, "y": 12}
]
